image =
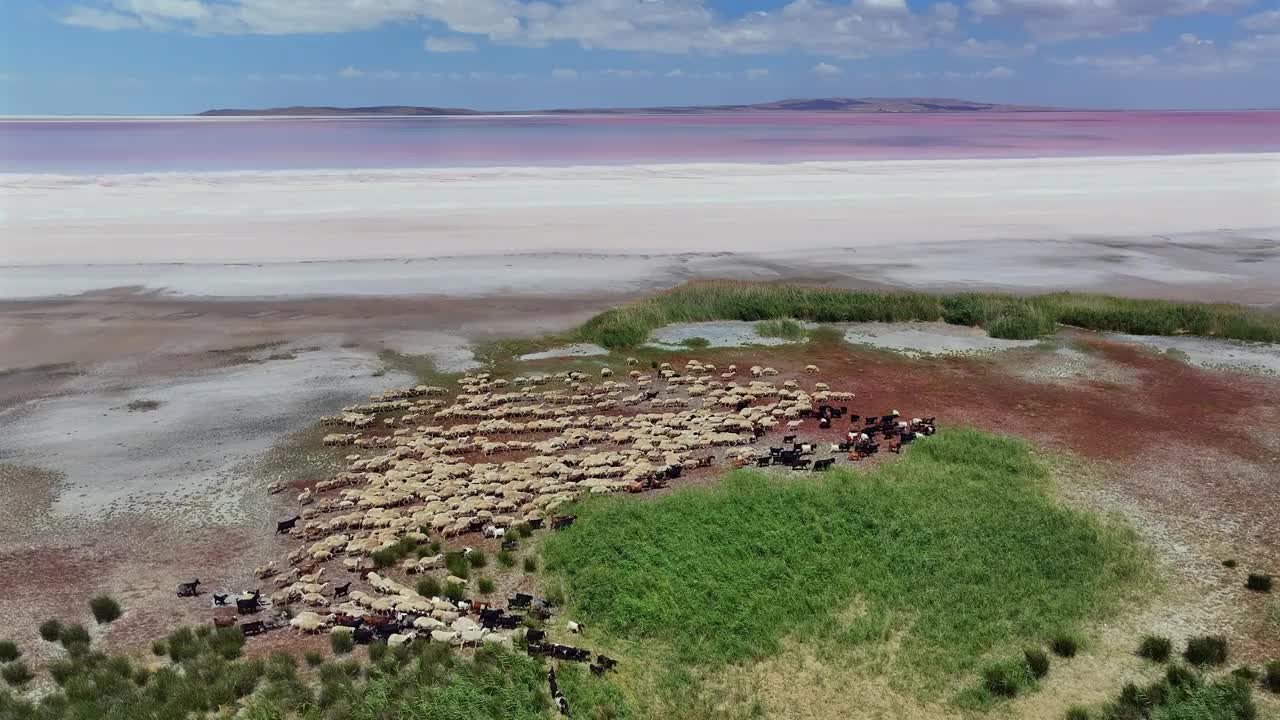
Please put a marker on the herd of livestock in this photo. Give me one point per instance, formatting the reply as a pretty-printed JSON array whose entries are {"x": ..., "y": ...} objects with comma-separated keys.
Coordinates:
[{"x": 500, "y": 453}]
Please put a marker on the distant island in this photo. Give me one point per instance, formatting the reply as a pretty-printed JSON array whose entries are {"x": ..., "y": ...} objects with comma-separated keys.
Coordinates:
[{"x": 842, "y": 105}]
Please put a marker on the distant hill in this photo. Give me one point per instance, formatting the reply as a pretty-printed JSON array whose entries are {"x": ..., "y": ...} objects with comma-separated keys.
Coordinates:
[{"x": 841, "y": 105}]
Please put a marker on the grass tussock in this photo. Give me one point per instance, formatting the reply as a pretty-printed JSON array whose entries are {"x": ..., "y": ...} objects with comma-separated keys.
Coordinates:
[
  {"x": 1156, "y": 649},
  {"x": 1184, "y": 695},
  {"x": 1258, "y": 582},
  {"x": 1003, "y": 316},
  {"x": 9, "y": 651},
  {"x": 785, "y": 328},
  {"x": 1206, "y": 650},
  {"x": 105, "y": 609},
  {"x": 51, "y": 630},
  {"x": 960, "y": 537}
]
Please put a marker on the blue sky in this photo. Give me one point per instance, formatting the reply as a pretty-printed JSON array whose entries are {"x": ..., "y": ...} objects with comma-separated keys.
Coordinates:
[{"x": 183, "y": 56}]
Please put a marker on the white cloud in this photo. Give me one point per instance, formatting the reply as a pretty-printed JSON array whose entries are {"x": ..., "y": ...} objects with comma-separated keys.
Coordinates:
[
  {"x": 627, "y": 73},
  {"x": 839, "y": 28},
  {"x": 972, "y": 47},
  {"x": 448, "y": 45},
  {"x": 756, "y": 73},
  {"x": 350, "y": 72},
  {"x": 98, "y": 19},
  {"x": 1188, "y": 56},
  {"x": 823, "y": 69},
  {"x": 564, "y": 74},
  {"x": 1054, "y": 20},
  {"x": 301, "y": 77},
  {"x": 1268, "y": 21}
]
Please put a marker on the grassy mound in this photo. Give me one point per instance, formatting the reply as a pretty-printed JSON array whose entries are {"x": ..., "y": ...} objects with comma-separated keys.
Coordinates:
[
  {"x": 1004, "y": 316},
  {"x": 958, "y": 546}
]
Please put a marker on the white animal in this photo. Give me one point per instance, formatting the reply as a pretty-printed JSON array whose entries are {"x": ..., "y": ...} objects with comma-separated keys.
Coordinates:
[{"x": 574, "y": 627}]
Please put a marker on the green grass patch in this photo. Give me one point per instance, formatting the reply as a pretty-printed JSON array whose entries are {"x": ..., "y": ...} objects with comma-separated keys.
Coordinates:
[
  {"x": 105, "y": 609},
  {"x": 1004, "y": 316},
  {"x": 958, "y": 548},
  {"x": 785, "y": 328},
  {"x": 51, "y": 630}
]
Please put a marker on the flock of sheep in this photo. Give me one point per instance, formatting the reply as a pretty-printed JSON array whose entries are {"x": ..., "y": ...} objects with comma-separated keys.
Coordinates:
[{"x": 501, "y": 453}]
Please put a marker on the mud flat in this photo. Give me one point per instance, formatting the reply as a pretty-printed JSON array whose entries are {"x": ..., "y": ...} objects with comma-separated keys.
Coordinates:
[
  {"x": 920, "y": 339},
  {"x": 1262, "y": 358}
]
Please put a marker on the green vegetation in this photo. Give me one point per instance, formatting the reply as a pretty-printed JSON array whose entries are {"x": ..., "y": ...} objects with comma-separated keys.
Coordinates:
[
  {"x": 421, "y": 367},
  {"x": 9, "y": 651},
  {"x": 1157, "y": 649},
  {"x": 1075, "y": 712},
  {"x": 1258, "y": 582},
  {"x": 477, "y": 558},
  {"x": 456, "y": 563},
  {"x": 428, "y": 587},
  {"x": 51, "y": 630},
  {"x": 1007, "y": 678},
  {"x": 1183, "y": 695},
  {"x": 455, "y": 592},
  {"x": 505, "y": 558},
  {"x": 144, "y": 405},
  {"x": 1065, "y": 644},
  {"x": 1038, "y": 661},
  {"x": 785, "y": 328},
  {"x": 1003, "y": 316},
  {"x": 696, "y": 343},
  {"x": 1206, "y": 650},
  {"x": 341, "y": 642},
  {"x": 389, "y": 556},
  {"x": 530, "y": 564},
  {"x": 105, "y": 609},
  {"x": 487, "y": 586},
  {"x": 313, "y": 658},
  {"x": 75, "y": 638},
  {"x": 1271, "y": 679},
  {"x": 16, "y": 674},
  {"x": 724, "y": 574}
]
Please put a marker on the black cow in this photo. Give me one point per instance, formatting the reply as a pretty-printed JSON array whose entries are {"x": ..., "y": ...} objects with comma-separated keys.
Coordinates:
[
  {"x": 285, "y": 526},
  {"x": 257, "y": 627},
  {"x": 191, "y": 589}
]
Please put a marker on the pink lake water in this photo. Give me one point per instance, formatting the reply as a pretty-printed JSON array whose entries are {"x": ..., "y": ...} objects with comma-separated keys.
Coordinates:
[{"x": 158, "y": 145}]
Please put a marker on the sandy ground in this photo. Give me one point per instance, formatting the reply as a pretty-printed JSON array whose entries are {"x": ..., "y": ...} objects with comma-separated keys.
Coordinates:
[{"x": 1191, "y": 226}]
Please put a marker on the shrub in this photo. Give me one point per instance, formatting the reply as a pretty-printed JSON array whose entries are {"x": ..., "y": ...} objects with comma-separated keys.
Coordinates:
[
  {"x": 555, "y": 595},
  {"x": 341, "y": 642},
  {"x": 1006, "y": 679},
  {"x": 16, "y": 673},
  {"x": 74, "y": 634},
  {"x": 1155, "y": 648},
  {"x": 457, "y": 565},
  {"x": 384, "y": 558},
  {"x": 435, "y": 546},
  {"x": 313, "y": 658},
  {"x": 9, "y": 651},
  {"x": 158, "y": 648},
  {"x": 1206, "y": 650},
  {"x": 1065, "y": 645},
  {"x": 478, "y": 559},
  {"x": 1180, "y": 676},
  {"x": 1271, "y": 678},
  {"x": 696, "y": 343},
  {"x": 1228, "y": 563},
  {"x": 51, "y": 629},
  {"x": 454, "y": 591},
  {"x": 486, "y": 585},
  {"x": 1075, "y": 712},
  {"x": 377, "y": 651},
  {"x": 1258, "y": 583},
  {"x": 105, "y": 609},
  {"x": 505, "y": 558},
  {"x": 428, "y": 587},
  {"x": 524, "y": 529},
  {"x": 1037, "y": 661},
  {"x": 530, "y": 564}
]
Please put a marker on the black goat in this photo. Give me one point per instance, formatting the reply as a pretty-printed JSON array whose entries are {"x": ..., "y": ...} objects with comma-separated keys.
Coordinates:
[
  {"x": 285, "y": 526},
  {"x": 535, "y": 635},
  {"x": 341, "y": 590},
  {"x": 535, "y": 523},
  {"x": 257, "y": 627},
  {"x": 219, "y": 599},
  {"x": 510, "y": 544},
  {"x": 520, "y": 600},
  {"x": 824, "y": 423},
  {"x": 561, "y": 522},
  {"x": 786, "y": 439},
  {"x": 764, "y": 461},
  {"x": 191, "y": 589},
  {"x": 606, "y": 662},
  {"x": 562, "y": 705},
  {"x": 362, "y": 635},
  {"x": 250, "y": 605},
  {"x": 823, "y": 464}
]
